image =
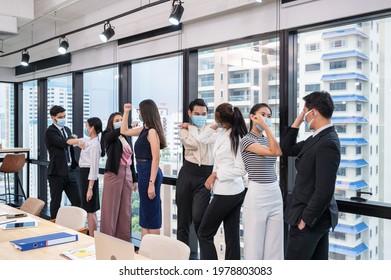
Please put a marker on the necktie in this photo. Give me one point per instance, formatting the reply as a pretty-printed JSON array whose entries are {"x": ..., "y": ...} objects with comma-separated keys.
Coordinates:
[{"x": 66, "y": 149}]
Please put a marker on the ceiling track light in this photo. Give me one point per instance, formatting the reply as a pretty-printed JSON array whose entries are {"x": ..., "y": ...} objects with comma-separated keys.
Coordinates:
[
  {"x": 176, "y": 12},
  {"x": 108, "y": 32},
  {"x": 63, "y": 45},
  {"x": 25, "y": 58}
]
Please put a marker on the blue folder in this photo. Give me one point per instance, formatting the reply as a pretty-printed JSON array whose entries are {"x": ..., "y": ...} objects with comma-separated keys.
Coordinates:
[{"x": 44, "y": 241}]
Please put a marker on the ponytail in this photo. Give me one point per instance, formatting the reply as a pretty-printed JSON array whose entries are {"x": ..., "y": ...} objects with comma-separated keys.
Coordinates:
[{"x": 238, "y": 129}]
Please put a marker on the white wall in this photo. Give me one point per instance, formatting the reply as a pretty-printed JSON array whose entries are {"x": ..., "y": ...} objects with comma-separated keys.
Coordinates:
[{"x": 204, "y": 22}]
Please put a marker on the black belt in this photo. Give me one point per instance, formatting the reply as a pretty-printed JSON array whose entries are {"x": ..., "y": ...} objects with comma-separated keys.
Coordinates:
[{"x": 143, "y": 159}]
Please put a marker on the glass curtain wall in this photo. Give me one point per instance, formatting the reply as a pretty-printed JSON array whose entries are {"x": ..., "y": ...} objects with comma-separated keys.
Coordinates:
[
  {"x": 100, "y": 99},
  {"x": 30, "y": 129},
  {"x": 7, "y": 112},
  {"x": 60, "y": 93},
  {"x": 354, "y": 66},
  {"x": 242, "y": 75},
  {"x": 160, "y": 79}
]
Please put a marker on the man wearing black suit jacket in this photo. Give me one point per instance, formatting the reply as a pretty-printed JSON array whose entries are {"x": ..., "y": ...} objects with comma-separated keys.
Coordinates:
[
  {"x": 312, "y": 209},
  {"x": 62, "y": 169}
]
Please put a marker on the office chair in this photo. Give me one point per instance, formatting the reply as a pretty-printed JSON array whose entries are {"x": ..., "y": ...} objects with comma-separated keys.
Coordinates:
[
  {"x": 160, "y": 247},
  {"x": 72, "y": 217},
  {"x": 33, "y": 206},
  {"x": 12, "y": 163}
]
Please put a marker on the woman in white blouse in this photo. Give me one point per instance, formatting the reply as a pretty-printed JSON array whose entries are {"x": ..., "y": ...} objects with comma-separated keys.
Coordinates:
[
  {"x": 89, "y": 170},
  {"x": 225, "y": 182}
]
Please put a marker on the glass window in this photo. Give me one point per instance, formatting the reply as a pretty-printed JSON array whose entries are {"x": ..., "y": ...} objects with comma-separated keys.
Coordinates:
[
  {"x": 30, "y": 129},
  {"x": 7, "y": 113},
  {"x": 355, "y": 123},
  {"x": 312, "y": 87},
  {"x": 312, "y": 67},
  {"x": 60, "y": 93},
  {"x": 252, "y": 76},
  {"x": 166, "y": 90},
  {"x": 100, "y": 96},
  {"x": 338, "y": 86},
  {"x": 340, "y": 106},
  {"x": 30, "y": 117},
  {"x": 338, "y": 64}
]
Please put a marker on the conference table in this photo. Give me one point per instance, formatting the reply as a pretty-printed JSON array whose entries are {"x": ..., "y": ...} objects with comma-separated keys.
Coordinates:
[{"x": 9, "y": 252}]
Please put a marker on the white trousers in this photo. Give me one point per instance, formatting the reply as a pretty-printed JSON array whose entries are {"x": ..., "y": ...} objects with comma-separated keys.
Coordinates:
[{"x": 263, "y": 231}]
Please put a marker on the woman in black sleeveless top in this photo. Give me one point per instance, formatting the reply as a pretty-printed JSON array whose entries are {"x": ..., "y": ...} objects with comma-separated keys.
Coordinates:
[{"x": 147, "y": 148}]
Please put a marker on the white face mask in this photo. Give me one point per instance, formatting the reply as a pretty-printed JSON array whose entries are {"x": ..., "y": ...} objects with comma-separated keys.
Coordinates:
[{"x": 308, "y": 123}]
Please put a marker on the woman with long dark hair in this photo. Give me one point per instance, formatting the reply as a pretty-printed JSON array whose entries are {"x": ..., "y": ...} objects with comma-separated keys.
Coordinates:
[
  {"x": 263, "y": 231},
  {"x": 225, "y": 182},
  {"x": 119, "y": 180},
  {"x": 150, "y": 141}
]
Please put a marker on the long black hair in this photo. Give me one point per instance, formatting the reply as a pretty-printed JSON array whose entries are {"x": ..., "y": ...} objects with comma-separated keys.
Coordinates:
[
  {"x": 151, "y": 118},
  {"x": 109, "y": 127},
  {"x": 232, "y": 116}
]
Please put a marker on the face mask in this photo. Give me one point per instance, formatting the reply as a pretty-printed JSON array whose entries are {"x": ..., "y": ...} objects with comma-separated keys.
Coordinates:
[
  {"x": 219, "y": 126},
  {"x": 60, "y": 122},
  {"x": 199, "y": 121},
  {"x": 117, "y": 125},
  {"x": 308, "y": 123},
  {"x": 267, "y": 121},
  {"x": 86, "y": 133}
]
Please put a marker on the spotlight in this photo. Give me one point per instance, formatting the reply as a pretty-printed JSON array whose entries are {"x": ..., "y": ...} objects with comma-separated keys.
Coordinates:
[
  {"x": 25, "y": 58},
  {"x": 176, "y": 12},
  {"x": 108, "y": 32},
  {"x": 64, "y": 45}
]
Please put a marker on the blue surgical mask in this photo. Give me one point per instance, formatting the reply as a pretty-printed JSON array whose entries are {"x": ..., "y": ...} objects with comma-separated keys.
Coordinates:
[
  {"x": 219, "y": 126},
  {"x": 267, "y": 121},
  {"x": 117, "y": 125},
  {"x": 199, "y": 121},
  {"x": 60, "y": 122},
  {"x": 86, "y": 133}
]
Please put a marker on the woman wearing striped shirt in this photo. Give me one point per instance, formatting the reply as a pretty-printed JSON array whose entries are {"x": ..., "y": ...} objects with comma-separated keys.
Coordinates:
[{"x": 262, "y": 207}]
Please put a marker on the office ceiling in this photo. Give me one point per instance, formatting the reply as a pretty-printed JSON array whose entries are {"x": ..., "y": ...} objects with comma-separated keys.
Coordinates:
[{"x": 57, "y": 12}]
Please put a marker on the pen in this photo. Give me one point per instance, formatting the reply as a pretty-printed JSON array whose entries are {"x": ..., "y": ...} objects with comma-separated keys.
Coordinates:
[{"x": 7, "y": 222}]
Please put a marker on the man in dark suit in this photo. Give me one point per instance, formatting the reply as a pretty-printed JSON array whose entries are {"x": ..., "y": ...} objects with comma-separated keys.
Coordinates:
[
  {"x": 62, "y": 169},
  {"x": 312, "y": 209}
]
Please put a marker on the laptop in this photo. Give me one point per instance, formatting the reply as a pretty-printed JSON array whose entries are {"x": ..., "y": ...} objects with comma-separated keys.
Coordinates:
[{"x": 111, "y": 248}]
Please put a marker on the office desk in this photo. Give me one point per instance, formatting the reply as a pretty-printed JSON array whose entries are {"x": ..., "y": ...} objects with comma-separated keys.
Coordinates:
[
  {"x": 17, "y": 151},
  {"x": 9, "y": 252}
]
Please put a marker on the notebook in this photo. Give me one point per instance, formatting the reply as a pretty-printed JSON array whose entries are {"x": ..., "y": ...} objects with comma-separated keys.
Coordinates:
[{"x": 111, "y": 248}]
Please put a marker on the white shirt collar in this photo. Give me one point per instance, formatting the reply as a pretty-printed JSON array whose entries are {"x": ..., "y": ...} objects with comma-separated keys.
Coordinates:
[{"x": 321, "y": 129}]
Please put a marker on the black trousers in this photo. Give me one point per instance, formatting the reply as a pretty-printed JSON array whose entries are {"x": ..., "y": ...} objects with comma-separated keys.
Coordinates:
[
  {"x": 192, "y": 198},
  {"x": 226, "y": 209},
  {"x": 310, "y": 243},
  {"x": 69, "y": 184}
]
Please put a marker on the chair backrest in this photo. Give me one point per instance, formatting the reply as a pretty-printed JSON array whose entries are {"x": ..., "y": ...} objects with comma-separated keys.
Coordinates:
[
  {"x": 71, "y": 217},
  {"x": 33, "y": 206},
  {"x": 12, "y": 163},
  {"x": 160, "y": 247}
]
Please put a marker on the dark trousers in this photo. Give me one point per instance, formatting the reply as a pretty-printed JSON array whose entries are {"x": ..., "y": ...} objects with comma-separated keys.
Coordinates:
[
  {"x": 226, "y": 209},
  {"x": 69, "y": 184},
  {"x": 192, "y": 198},
  {"x": 310, "y": 243}
]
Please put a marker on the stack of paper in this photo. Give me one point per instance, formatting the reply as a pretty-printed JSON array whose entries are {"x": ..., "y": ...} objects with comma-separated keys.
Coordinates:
[{"x": 81, "y": 254}]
